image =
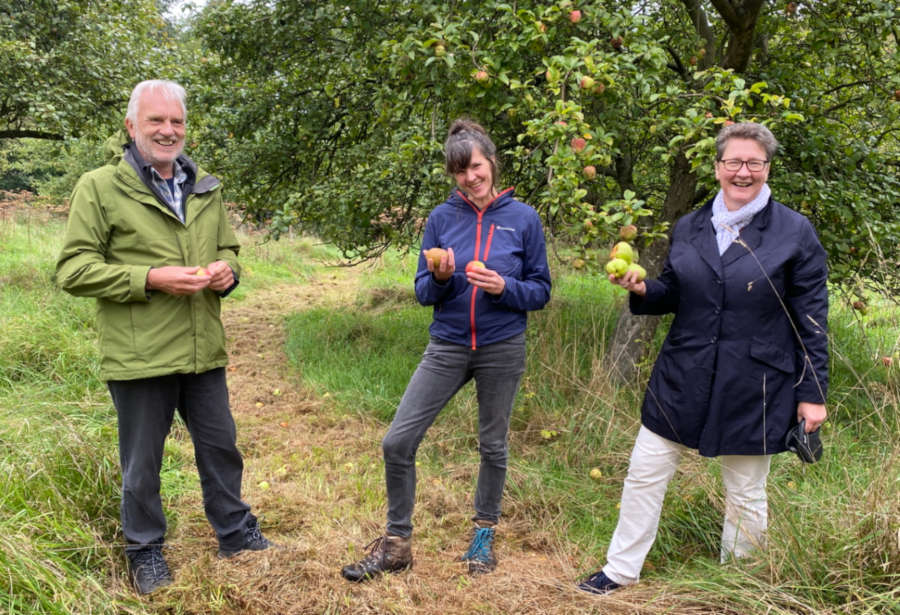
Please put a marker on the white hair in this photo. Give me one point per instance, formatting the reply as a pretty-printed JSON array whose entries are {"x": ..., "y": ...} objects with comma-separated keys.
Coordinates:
[{"x": 169, "y": 89}]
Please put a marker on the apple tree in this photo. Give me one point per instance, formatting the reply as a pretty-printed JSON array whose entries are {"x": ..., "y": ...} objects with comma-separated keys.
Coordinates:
[
  {"x": 331, "y": 115},
  {"x": 67, "y": 66}
]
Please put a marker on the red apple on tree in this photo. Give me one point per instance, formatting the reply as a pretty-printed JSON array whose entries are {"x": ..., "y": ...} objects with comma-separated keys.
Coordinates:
[
  {"x": 575, "y": 16},
  {"x": 590, "y": 171},
  {"x": 628, "y": 232},
  {"x": 578, "y": 144}
]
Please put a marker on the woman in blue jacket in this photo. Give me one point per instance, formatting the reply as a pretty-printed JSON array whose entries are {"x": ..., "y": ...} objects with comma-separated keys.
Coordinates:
[
  {"x": 478, "y": 331},
  {"x": 745, "y": 360}
]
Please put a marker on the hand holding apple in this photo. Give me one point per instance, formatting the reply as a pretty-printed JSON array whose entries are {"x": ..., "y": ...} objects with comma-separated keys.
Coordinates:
[
  {"x": 440, "y": 262},
  {"x": 480, "y": 276},
  {"x": 175, "y": 280},
  {"x": 630, "y": 281},
  {"x": 221, "y": 277}
]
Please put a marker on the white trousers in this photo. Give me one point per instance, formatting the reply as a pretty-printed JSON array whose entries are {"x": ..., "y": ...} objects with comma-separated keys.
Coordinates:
[{"x": 653, "y": 463}]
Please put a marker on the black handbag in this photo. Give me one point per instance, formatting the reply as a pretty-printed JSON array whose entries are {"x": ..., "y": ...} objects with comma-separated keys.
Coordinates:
[{"x": 807, "y": 446}]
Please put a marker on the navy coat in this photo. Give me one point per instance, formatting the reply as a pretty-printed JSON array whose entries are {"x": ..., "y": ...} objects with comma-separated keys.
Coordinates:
[{"x": 733, "y": 368}]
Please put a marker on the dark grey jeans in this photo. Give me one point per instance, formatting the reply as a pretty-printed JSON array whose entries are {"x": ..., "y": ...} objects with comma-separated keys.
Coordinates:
[
  {"x": 146, "y": 408},
  {"x": 443, "y": 370}
]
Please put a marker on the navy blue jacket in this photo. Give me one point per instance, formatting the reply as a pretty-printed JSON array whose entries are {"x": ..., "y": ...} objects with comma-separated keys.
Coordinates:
[
  {"x": 732, "y": 368},
  {"x": 508, "y": 237}
]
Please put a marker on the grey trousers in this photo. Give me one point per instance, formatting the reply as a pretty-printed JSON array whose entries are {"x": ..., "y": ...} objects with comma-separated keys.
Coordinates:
[
  {"x": 443, "y": 370},
  {"x": 146, "y": 408}
]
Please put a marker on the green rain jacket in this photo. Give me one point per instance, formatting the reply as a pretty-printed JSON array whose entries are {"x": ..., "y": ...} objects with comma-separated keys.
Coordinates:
[{"x": 118, "y": 229}]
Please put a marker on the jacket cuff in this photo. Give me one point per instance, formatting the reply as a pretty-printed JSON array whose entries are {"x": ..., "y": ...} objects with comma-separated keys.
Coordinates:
[{"x": 138, "y": 283}]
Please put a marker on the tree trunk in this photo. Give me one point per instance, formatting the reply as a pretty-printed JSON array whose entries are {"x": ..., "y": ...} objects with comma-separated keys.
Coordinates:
[{"x": 631, "y": 341}]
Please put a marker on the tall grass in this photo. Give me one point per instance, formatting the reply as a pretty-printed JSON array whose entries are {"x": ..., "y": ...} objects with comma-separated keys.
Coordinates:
[{"x": 834, "y": 541}]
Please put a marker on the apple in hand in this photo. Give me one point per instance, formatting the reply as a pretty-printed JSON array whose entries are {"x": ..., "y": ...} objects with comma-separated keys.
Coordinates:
[
  {"x": 201, "y": 271},
  {"x": 624, "y": 251},
  {"x": 640, "y": 271},
  {"x": 435, "y": 255},
  {"x": 616, "y": 267},
  {"x": 471, "y": 265}
]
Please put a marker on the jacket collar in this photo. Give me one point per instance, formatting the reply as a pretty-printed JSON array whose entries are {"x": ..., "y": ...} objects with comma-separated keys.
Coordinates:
[
  {"x": 459, "y": 198},
  {"x": 132, "y": 157},
  {"x": 703, "y": 237}
]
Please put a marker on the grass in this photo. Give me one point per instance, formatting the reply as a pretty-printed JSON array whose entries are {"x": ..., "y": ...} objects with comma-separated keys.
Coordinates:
[
  {"x": 833, "y": 544},
  {"x": 833, "y": 540}
]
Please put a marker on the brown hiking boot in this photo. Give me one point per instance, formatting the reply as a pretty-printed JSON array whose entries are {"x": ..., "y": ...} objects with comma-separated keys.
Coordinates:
[{"x": 386, "y": 554}]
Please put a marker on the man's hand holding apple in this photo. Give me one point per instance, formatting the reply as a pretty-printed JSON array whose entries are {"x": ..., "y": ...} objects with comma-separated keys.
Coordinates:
[{"x": 221, "y": 277}]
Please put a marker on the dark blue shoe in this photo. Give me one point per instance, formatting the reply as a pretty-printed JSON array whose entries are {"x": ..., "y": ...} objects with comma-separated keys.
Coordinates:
[
  {"x": 480, "y": 555},
  {"x": 253, "y": 540},
  {"x": 598, "y": 583},
  {"x": 148, "y": 569}
]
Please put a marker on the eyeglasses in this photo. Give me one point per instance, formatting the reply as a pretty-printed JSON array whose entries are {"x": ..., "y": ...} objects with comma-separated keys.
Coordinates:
[{"x": 735, "y": 164}]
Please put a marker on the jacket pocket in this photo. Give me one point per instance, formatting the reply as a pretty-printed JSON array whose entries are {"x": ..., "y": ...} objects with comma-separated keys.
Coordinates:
[{"x": 768, "y": 353}]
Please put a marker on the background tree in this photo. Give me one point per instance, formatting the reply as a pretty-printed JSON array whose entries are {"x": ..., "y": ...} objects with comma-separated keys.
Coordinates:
[
  {"x": 338, "y": 125},
  {"x": 69, "y": 65}
]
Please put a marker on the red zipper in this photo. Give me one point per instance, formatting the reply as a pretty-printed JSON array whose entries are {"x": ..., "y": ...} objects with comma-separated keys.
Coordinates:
[{"x": 487, "y": 249}]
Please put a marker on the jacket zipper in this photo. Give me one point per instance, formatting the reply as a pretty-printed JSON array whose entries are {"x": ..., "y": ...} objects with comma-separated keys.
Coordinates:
[{"x": 487, "y": 249}]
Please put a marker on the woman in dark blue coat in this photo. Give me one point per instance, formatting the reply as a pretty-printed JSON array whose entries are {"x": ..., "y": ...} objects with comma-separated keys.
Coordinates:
[{"x": 745, "y": 360}]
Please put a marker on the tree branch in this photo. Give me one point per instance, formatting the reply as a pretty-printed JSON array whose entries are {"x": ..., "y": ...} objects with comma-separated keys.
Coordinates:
[{"x": 30, "y": 134}]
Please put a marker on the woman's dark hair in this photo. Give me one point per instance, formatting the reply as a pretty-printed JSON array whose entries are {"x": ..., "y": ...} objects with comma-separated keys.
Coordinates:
[{"x": 465, "y": 135}]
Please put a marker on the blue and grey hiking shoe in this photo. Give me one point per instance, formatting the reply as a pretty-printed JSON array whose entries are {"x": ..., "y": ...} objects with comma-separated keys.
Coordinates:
[
  {"x": 148, "y": 569},
  {"x": 598, "y": 583},
  {"x": 480, "y": 555}
]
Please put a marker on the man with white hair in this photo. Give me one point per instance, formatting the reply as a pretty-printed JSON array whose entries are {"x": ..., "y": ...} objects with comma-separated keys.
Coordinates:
[{"x": 149, "y": 238}]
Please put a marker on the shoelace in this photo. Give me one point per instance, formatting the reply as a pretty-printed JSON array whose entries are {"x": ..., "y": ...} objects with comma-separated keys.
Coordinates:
[
  {"x": 372, "y": 547},
  {"x": 253, "y": 534},
  {"x": 151, "y": 558},
  {"x": 480, "y": 549}
]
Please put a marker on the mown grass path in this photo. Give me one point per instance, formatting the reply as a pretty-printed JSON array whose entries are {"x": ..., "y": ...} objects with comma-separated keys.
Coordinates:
[{"x": 309, "y": 468}]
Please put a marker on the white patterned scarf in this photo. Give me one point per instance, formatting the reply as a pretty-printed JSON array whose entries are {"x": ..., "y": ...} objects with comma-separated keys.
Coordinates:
[{"x": 727, "y": 223}]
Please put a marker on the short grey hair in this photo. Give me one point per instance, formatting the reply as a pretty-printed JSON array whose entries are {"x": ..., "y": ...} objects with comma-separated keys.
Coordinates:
[
  {"x": 747, "y": 130},
  {"x": 169, "y": 89}
]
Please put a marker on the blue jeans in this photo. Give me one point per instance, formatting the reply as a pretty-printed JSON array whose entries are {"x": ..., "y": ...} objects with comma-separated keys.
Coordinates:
[{"x": 444, "y": 369}]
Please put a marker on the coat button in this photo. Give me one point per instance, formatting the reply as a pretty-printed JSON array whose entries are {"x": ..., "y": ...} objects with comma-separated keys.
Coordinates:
[
  {"x": 713, "y": 339},
  {"x": 717, "y": 311}
]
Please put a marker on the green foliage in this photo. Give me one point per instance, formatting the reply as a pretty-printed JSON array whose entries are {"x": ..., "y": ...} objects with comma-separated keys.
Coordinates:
[
  {"x": 832, "y": 538},
  {"x": 49, "y": 168},
  {"x": 68, "y": 66},
  {"x": 338, "y": 127}
]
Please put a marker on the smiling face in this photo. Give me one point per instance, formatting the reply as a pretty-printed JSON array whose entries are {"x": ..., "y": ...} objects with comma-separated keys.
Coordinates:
[
  {"x": 741, "y": 186},
  {"x": 477, "y": 179},
  {"x": 158, "y": 131}
]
